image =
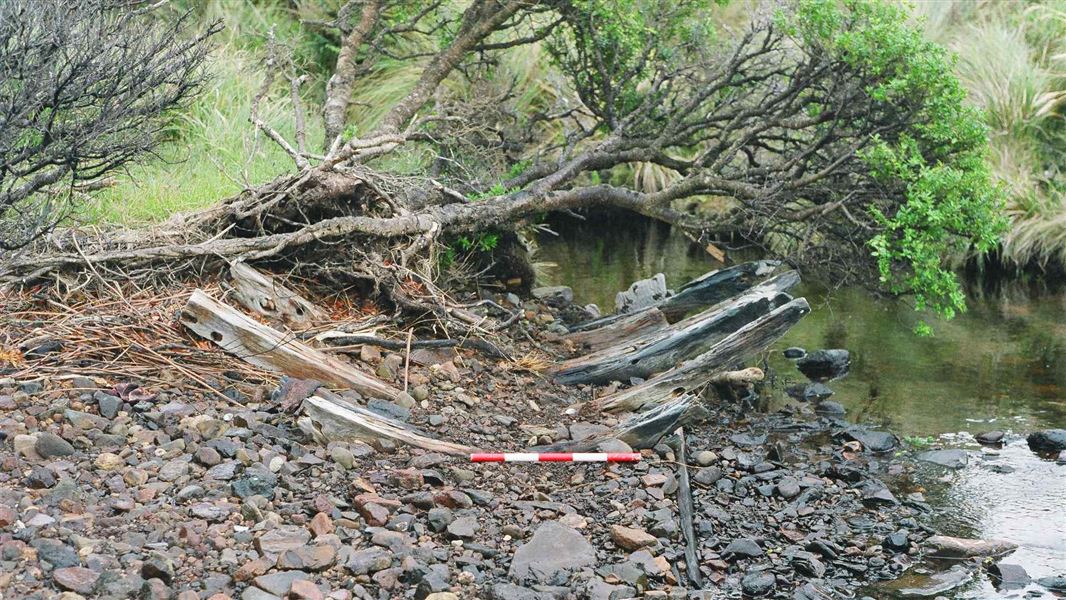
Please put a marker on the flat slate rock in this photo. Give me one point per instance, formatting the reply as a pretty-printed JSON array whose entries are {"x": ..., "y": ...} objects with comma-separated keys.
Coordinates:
[
  {"x": 551, "y": 554},
  {"x": 952, "y": 459}
]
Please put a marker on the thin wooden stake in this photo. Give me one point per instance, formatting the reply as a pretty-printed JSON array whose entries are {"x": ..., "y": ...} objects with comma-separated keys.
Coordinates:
[{"x": 684, "y": 505}]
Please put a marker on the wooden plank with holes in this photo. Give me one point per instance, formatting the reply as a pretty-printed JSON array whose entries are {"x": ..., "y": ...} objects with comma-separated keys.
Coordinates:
[{"x": 266, "y": 347}]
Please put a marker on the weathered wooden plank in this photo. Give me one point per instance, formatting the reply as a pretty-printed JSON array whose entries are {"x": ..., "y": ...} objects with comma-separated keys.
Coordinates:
[
  {"x": 714, "y": 287},
  {"x": 263, "y": 294},
  {"x": 640, "y": 430},
  {"x": 627, "y": 327},
  {"x": 339, "y": 419},
  {"x": 685, "y": 509},
  {"x": 704, "y": 291},
  {"x": 697, "y": 372},
  {"x": 267, "y": 347},
  {"x": 660, "y": 350}
]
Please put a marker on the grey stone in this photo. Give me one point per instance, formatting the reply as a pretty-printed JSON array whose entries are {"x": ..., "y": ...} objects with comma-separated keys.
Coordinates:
[
  {"x": 50, "y": 445},
  {"x": 107, "y": 404},
  {"x": 990, "y": 437},
  {"x": 938, "y": 583},
  {"x": 509, "y": 591},
  {"x": 758, "y": 583},
  {"x": 439, "y": 518},
  {"x": 556, "y": 295},
  {"x": 1008, "y": 576},
  {"x": 368, "y": 560},
  {"x": 743, "y": 547},
  {"x": 463, "y": 528},
  {"x": 952, "y": 459},
  {"x": 830, "y": 408},
  {"x": 825, "y": 364},
  {"x": 258, "y": 482},
  {"x": 552, "y": 552},
  {"x": 280, "y": 582},
  {"x": 788, "y": 488},
  {"x": 877, "y": 442},
  {"x": 56, "y": 553}
]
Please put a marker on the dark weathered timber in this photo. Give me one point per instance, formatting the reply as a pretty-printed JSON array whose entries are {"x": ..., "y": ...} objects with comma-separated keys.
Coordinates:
[
  {"x": 684, "y": 507},
  {"x": 630, "y": 326},
  {"x": 715, "y": 287},
  {"x": 664, "y": 349},
  {"x": 704, "y": 291},
  {"x": 640, "y": 430},
  {"x": 697, "y": 372},
  {"x": 339, "y": 419}
]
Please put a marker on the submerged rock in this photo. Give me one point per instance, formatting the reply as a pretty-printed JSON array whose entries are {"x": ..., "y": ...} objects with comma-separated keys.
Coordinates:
[
  {"x": 1055, "y": 583},
  {"x": 794, "y": 352},
  {"x": 825, "y": 364},
  {"x": 1048, "y": 440},
  {"x": 942, "y": 546},
  {"x": 952, "y": 459},
  {"x": 1009, "y": 576},
  {"x": 932, "y": 585},
  {"x": 877, "y": 442},
  {"x": 556, "y": 295}
]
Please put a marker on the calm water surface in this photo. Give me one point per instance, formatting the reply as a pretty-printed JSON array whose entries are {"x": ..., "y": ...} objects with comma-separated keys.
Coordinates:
[{"x": 1001, "y": 365}]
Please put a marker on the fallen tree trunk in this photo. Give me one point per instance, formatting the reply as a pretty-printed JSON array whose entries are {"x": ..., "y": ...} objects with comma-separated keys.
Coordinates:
[
  {"x": 266, "y": 347},
  {"x": 339, "y": 420},
  {"x": 699, "y": 371},
  {"x": 707, "y": 290},
  {"x": 663, "y": 349},
  {"x": 263, "y": 294}
]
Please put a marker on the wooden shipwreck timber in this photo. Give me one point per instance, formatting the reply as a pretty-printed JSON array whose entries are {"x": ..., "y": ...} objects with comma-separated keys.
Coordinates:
[{"x": 677, "y": 350}]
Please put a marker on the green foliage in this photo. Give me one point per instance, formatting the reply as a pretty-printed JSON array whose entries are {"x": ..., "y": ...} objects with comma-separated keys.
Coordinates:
[
  {"x": 608, "y": 48},
  {"x": 951, "y": 201},
  {"x": 918, "y": 442}
]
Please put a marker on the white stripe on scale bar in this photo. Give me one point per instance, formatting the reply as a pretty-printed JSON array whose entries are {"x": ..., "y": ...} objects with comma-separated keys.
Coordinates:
[
  {"x": 589, "y": 457},
  {"x": 521, "y": 457}
]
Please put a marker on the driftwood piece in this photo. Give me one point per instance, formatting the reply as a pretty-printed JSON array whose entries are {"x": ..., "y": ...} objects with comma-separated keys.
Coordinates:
[
  {"x": 645, "y": 293},
  {"x": 345, "y": 339},
  {"x": 339, "y": 419},
  {"x": 263, "y": 294},
  {"x": 266, "y": 347},
  {"x": 684, "y": 508},
  {"x": 657, "y": 351},
  {"x": 707, "y": 290},
  {"x": 628, "y": 327},
  {"x": 641, "y": 430},
  {"x": 699, "y": 371}
]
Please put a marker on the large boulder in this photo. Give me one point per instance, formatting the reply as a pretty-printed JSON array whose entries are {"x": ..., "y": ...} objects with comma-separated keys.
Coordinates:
[
  {"x": 551, "y": 554},
  {"x": 1048, "y": 440},
  {"x": 821, "y": 365}
]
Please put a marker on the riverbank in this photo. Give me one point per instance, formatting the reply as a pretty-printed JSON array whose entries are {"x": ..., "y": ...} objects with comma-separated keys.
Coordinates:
[{"x": 170, "y": 490}]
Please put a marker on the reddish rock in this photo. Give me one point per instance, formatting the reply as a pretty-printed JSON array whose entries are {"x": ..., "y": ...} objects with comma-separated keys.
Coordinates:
[
  {"x": 375, "y": 514},
  {"x": 76, "y": 579},
  {"x": 631, "y": 538},
  {"x": 408, "y": 479},
  {"x": 303, "y": 589},
  {"x": 453, "y": 499},
  {"x": 251, "y": 570},
  {"x": 321, "y": 525}
]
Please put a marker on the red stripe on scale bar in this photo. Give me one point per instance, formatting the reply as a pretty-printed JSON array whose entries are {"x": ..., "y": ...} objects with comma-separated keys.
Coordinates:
[{"x": 556, "y": 457}]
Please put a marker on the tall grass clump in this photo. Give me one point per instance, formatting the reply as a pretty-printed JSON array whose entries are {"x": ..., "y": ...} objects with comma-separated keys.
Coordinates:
[
  {"x": 212, "y": 151},
  {"x": 1012, "y": 60}
]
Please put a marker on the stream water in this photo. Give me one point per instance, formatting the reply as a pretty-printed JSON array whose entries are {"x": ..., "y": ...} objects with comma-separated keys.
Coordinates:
[{"x": 1001, "y": 365}]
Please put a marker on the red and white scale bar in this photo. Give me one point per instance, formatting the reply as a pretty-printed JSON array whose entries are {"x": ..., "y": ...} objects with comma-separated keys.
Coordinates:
[{"x": 556, "y": 457}]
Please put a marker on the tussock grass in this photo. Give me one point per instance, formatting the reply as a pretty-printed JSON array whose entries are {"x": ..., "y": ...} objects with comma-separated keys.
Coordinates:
[{"x": 1012, "y": 60}]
